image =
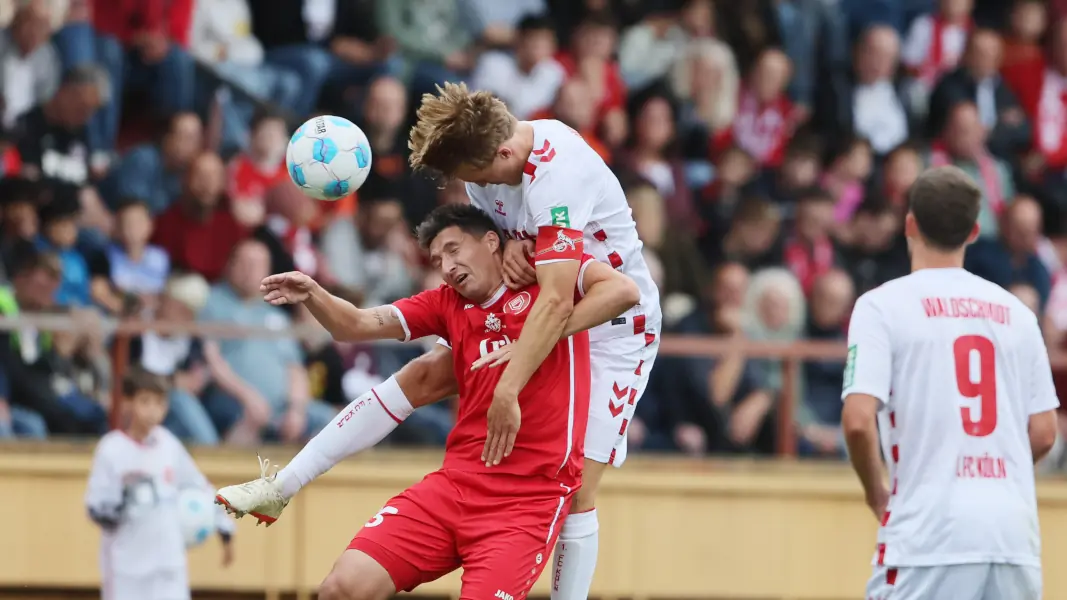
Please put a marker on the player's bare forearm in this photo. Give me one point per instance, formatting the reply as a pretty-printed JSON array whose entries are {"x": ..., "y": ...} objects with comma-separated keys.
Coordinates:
[
  {"x": 608, "y": 294},
  {"x": 861, "y": 437},
  {"x": 299, "y": 387},
  {"x": 544, "y": 327},
  {"x": 347, "y": 323}
]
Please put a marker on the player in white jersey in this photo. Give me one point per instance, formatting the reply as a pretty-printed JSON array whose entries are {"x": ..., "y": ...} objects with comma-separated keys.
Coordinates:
[
  {"x": 956, "y": 370},
  {"x": 136, "y": 476},
  {"x": 545, "y": 187}
]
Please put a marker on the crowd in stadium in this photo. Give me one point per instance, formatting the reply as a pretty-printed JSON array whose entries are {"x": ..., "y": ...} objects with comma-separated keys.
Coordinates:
[{"x": 766, "y": 148}]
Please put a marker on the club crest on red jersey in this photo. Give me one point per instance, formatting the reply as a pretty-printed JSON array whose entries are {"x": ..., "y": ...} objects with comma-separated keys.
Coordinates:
[
  {"x": 518, "y": 304},
  {"x": 492, "y": 323}
]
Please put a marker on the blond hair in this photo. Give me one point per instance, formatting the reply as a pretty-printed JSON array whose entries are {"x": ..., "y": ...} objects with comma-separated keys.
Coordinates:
[{"x": 458, "y": 127}]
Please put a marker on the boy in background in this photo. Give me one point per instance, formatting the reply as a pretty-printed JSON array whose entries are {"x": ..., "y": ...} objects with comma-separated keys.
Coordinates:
[{"x": 136, "y": 476}]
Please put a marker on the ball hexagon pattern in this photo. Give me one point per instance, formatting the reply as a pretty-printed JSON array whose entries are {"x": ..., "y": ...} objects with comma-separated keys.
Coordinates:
[{"x": 328, "y": 157}]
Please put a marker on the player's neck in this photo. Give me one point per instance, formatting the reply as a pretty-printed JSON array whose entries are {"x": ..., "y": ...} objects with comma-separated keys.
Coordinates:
[
  {"x": 136, "y": 433},
  {"x": 932, "y": 259},
  {"x": 523, "y": 144}
]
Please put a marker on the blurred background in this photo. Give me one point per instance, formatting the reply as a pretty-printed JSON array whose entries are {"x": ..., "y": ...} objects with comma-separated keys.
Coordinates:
[{"x": 766, "y": 147}]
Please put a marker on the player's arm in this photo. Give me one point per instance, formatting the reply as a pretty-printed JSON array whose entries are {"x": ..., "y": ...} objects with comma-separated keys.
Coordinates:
[
  {"x": 103, "y": 496},
  {"x": 1043, "y": 402},
  {"x": 868, "y": 373},
  {"x": 347, "y": 323},
  {"x": 606, "y": 294}
]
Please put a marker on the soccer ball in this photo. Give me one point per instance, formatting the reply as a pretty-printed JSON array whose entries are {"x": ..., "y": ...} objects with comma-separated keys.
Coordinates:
[
  {"x": 328, "y": 157},
  {"x": 196, "y": 515}
]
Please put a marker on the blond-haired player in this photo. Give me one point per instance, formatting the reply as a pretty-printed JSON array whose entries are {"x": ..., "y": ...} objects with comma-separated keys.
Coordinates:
[{"x": 957, "y": 371}]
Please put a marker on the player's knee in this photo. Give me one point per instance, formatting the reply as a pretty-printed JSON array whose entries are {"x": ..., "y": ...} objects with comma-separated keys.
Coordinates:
[
  {"x": 349, "y": 586},
  {"x": 585, "y": 499},
  {"x": 428, "y": 378}
]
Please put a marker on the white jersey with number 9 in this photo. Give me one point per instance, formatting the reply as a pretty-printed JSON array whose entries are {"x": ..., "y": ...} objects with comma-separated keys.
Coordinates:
[{"x": 960, "y": 366}]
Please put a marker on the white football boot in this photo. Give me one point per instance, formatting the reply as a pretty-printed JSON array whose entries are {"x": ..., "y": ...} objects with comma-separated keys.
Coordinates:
[{"x": 261, "y": 498}]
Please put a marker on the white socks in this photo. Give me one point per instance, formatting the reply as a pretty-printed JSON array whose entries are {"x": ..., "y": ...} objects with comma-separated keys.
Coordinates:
[
  {"x": 360, "y": 425},
  {"x": 575, "y": 559}
]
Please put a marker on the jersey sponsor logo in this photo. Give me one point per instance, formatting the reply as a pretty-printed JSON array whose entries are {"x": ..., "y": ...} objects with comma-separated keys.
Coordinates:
[
  {"x": 850, "y": 366},
  {"x": 488, "y": 346},
  {"x": 560, "y": 216},
  {"x": 500, "y": 208},
  {"x": 492, "y": 323},
  {"x": 518, "y": 304},
  {"x": 502, "y": 595}
]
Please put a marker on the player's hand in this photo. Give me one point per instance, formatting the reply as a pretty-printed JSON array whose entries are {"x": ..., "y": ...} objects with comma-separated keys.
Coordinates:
[
  {"x": 227, "y": 553},
  {"x": 503, "y": 418},
  {"x": 293, "y": 425},
  {"x": 495, "y": 358},
  {"x": 518, "y": 272},
  {"x": 293, "y": 287},
  {"x": 878, "y": 500},
  {"x": 256, "y": 410}
]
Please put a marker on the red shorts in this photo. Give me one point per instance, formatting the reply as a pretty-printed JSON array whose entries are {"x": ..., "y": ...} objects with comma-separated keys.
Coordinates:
[{"x": 500, "y": 528}]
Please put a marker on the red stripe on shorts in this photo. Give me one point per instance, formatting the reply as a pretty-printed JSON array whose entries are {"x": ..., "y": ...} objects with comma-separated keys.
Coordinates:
[
  {"x": 639, "y": 324},
  {"x": 600, "y": 236},
  {"x": 615, "y": 260}
]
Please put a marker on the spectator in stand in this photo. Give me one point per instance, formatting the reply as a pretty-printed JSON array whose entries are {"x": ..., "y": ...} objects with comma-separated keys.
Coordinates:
[
  {"x": 819, "y": 407},
  {"x": 141, "y": 44},
  {"x": 849, "y": 166},
  {"x": 138, "y": 270},
  {"x": 963, "y": 143},
  {"x": 705, "y": 78},
  {"x": 26, "y": 355},
  {"x": 154, "y": 172},
  {"x": 199, "y": 231},
  {"x": 752, "y": 237},
  {"x": 764, "y": 121},
  {"x": 287, "y": 233},
  {"x": 800, "y": 170},
  {"x": 19, "y": 198},
  {"x": 872, "y": 104},
  {"x": 498, "y": 24},
  {"x": 270, "y": 373},
  {"x": 648, "y": 50},
  {"x": 1028, "y": 296},
  {"x": 180, "y": 358},
  {"x": 1041, "y": 88},
  {"x": 899, "y": 170},
  {"x": 31, "y": 67},
  {"x": 749, "y": 28},
  {"x": 17, "y": 421},
  {"x": 878, "y": 252},
  {"x": 1013, "y": 258},
  {"x": 809, "y": 252},
  {"x": 673, "y": 259},
  {"x": 1022, "y": 46},
  {"x": 654, "y": 153},
  {"x": 590, "y": 58},
  {"x": 436, "y": 39},
  {"x": 59, "y": 234},
  {"x": 335, "y": 43},
  {"x": 576, "y": 106},
  {"x": 222, "y": 37},
  {"x": 977, "y": 80},
  {"x": 933, "y": 47},
  {"x": 258, "y": 169},
  {"x": 363, "y": 254},
  {"x": 526, "y": 77}
]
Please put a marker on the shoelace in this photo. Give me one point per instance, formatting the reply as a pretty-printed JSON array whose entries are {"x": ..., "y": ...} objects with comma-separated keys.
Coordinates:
[{"x": 264, "y": 467}]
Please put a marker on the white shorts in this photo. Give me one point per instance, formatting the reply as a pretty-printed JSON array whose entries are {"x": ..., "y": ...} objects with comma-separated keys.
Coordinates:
[
  {"x": 980, "y": 581},
  {"x": 620, "y": 368},
  {"x": 164, "y": 585}
]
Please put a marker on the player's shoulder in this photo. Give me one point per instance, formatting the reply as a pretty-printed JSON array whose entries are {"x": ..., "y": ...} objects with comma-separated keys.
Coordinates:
[
  {"x": 554, "y": 139},
  {"x": 112, "y": 443},
  {"x": 162, "y": 435}
]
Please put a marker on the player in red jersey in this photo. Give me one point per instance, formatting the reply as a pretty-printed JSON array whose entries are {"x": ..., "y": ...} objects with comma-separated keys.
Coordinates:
[{"x": 499, "y": 522}]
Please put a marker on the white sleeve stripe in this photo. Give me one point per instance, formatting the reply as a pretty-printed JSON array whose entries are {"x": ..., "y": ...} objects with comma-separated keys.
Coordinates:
[
  {"x": 581, "y": 278},
  {"x": 442, "y": 341},
  {"x": 403, "y": 322}
]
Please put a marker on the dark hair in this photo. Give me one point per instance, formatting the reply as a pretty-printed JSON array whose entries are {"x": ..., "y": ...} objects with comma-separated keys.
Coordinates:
[
  {"x": 874, "y": 205},
  {"x": 599, "y": 18},
  {"x": 469, "y": 219},
  {"x": 24, "y": 258},
  {"x": 843, "y": 146},
  {"x": 20, "y": 190},
  {"x": 814, "y": 194},
  {"x": 806, "y": 145},
  {"x": 138, "y": 379},
  {"x": 535, "y": 22},
  {"x": 945, "y": 202},
  {"x": 264, "y": 114},
  {"x": 131, "y": 202},
  {"x": 61, "y": 202}
]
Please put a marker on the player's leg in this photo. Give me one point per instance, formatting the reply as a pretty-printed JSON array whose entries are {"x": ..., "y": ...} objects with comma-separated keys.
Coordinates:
[
  {"x": 410, "y": 540},
  {"x": 958, "y": 582},
  {"x": 1017, "y": 582},
  {"x": 620, "y": 369},
  {"x": 507, "y": 538},
  {"x": 360, "y": 425},
  {"x": 126, "y": 587}
]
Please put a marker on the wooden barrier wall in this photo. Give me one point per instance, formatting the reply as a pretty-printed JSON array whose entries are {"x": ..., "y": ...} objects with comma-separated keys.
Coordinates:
[{"x": 670, "y": 528}]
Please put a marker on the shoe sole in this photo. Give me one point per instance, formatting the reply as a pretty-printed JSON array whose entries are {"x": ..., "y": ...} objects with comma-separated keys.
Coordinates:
[{"x": 260, "y": 518}]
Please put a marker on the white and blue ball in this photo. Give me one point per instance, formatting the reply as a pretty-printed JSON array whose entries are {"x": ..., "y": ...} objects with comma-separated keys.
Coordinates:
[
  {"x": 196, "y": 515},
  {"x": 328, "y": 157}
]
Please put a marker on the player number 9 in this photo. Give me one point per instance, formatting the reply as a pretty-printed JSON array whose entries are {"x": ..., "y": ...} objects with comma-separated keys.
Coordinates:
[{"x": 984, "y": 387}]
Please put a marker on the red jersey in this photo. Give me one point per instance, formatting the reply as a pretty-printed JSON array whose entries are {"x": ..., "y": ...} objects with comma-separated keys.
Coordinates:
[{"x": 554, "y": 404}]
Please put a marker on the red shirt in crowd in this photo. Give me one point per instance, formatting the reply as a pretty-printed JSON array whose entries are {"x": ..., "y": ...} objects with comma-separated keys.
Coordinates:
[
  {"x": 761, "y": 130},
  {"x": 614, "y": 95},
  {"x": 199, "y": 245},
  {"x": 124, "y": 19}
]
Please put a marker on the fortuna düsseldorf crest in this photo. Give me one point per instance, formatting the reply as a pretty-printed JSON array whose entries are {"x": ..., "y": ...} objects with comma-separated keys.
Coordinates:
[{"x": 492, "y": 323}]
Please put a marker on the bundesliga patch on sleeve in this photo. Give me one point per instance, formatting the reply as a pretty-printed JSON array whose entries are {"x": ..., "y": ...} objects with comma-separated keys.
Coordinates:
[
  {"x": 850, "y": 366},
  {"x": 560, "y": 216},
  {"x": 558, "y": 243}
]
